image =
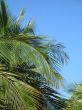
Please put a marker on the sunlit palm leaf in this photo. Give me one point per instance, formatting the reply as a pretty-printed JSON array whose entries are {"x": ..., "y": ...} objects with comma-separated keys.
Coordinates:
[
  {"x": 75, "y": 102},
  {"x": 16, "y": 52}
]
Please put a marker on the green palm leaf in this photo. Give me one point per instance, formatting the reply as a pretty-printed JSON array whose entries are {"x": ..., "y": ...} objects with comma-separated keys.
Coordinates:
[
  {"x": 18, "y": 95},
  {"x": 75, "y": 102}
]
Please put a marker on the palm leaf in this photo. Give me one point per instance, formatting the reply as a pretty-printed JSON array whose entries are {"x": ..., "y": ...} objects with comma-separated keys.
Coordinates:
[
  {"x": 75, "y": 102},
  {"x": 29, "y": 28},
  {"x": 4, "y": 14},
  {"x": 17, "y": 52},
  {"x": 18, "y": 95}
]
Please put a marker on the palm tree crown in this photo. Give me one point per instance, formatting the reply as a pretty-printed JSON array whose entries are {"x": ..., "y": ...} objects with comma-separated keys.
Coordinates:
[{"x": 27, "y": 65}]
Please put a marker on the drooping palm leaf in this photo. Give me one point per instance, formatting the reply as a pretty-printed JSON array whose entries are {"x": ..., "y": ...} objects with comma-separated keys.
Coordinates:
[
  {"x": 17, "y": 94},
  {"x": 17, "y": 52},
  {"x": 21, "y": 95}
]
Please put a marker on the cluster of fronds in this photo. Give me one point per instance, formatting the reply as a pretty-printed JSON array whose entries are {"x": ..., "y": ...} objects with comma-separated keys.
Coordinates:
[{"x": 27, "y": 65}]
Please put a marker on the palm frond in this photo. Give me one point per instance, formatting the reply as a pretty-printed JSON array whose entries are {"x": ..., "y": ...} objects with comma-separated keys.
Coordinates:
[
  {"x": 20, "y": 17},
  {"x": 19, "y": 96},
  {"x": 18, "y": 52},
  {"x": 29, "y": 28},
  {"x": 3, "y": 17},
  {"x": 75, "y": 102},
  {"x": 4, "y": 14}
]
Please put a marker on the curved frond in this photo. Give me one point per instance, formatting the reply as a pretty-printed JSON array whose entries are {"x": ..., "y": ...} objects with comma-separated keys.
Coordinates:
[
  {"x": 17, "y": 52},
  {"x": 17, "y": 95}
]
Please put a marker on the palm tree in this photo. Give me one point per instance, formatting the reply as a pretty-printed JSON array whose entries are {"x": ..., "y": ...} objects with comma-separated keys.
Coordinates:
[
  {"x": 75, "y": 102},
  {"x": 28, "y": 66}
]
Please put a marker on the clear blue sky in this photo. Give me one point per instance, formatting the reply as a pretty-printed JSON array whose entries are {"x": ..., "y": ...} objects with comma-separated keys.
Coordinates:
[{"x": 60, "y": 20}]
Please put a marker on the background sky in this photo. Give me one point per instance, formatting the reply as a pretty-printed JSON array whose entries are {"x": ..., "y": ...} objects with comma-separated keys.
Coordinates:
[{"x": 60, "y": 20}]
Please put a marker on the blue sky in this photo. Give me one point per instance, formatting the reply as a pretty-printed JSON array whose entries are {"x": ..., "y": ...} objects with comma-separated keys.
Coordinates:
[{"x": 60, "y": 20}]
